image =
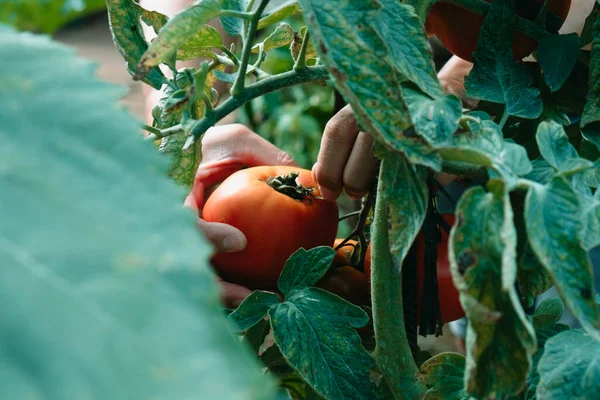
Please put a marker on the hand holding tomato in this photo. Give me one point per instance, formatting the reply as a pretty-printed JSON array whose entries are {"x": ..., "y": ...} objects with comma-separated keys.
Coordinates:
[{"x": 227, "y": 149}]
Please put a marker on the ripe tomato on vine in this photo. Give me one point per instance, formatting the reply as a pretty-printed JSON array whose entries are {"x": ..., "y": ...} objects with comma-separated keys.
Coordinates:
[{"x": 279, "y": 210}]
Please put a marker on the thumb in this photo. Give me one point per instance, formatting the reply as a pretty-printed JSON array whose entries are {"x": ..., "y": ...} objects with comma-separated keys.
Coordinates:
[{"x": 225, "y": 238}]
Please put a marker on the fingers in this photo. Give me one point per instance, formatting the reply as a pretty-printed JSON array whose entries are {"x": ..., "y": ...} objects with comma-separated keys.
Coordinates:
[
  {"x": 225, "y": 238},
  {"x": 452, "y": 77},
  {"x": 234, "y": 143},
  {"x": 232, "y": 295},
  {"x": 360, "y": 168},
  {"x": 336, "y": 145},
  {"x": 345, "y": 159}
]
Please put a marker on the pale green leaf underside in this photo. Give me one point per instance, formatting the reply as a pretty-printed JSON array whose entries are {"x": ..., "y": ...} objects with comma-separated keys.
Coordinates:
[
  {"x": 554, "y": 224},
  {"x": 105, "y": 284},
  {"x": 570, "y": 367}
]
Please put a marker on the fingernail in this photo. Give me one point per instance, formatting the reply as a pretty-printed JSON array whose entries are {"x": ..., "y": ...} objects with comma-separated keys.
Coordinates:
[
  {"x": 233, "y": 243},
  {"x": 327, "y": 194}
]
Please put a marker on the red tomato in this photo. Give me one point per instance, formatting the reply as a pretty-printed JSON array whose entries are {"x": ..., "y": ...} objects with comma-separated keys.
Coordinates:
[
  {"x": 275, "y": 224},
  {"x": 458, "y": 28},
  {"x": 343, "y": 256}
]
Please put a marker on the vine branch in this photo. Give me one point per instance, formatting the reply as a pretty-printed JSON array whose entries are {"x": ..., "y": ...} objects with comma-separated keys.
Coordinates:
[
  {"x": 238, "y": 86},
  {"x": 255, "y": 90}
]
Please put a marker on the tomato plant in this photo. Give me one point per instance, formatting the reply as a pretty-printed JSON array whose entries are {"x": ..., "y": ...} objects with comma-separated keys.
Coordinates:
[
  {"x": 458, "y": 28},
  {"x": 279, "y": 210},
  {"x": 110, "y": 256}
]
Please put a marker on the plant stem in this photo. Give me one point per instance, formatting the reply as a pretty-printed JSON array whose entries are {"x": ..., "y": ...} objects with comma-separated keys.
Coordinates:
[
  {"x": 236, "y": 14},
  {"x": 161, "y": 133},
  {"x": 151, "y": 129},
  {"x": 392, "y": 351},
  {"x": 350, "y": 215},
  {"x": 301, "y": 60},
  {"x": 238, "y": 86},
  {"x": 504, "y": 118},
  {"x": 258, "y": 89},
  {"x": 525, "y": 26},
  {"x": 460, "y": 168}
]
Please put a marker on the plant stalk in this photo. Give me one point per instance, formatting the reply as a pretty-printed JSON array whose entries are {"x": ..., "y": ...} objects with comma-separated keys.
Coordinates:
[
  {"x": 301, "y": 60},
  {"x": 238, "y": 86},
  {"x": 258, "y": 89},
  {"x": 392, "y": 351}
]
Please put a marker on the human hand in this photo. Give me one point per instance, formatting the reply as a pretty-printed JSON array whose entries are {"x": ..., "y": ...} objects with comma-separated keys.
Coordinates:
[
  {"x": 346, "y": 161},
  {"x": 227, "y": 149}
]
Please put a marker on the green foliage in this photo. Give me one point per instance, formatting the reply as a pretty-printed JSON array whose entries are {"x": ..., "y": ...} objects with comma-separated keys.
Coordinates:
[
  {"x": 557, "y": 55},
  {"x": 319, "y": 343},
  {"x": 542, "y": 334},
  {"x": 364, "y": 75},
  {"x": 126, "y": 27},
  {"x": 106, "y": 289},
  {"x": 496, "y": 76},
  {"x": 443, "y": 376},
  {"x": 45, "y": 16},
  {"x": 557, "y": 243},
  {"x": 176, "y": 33},
  {"x": 570, "y": 367},
  {"x": 548, "y": 313},
  {"x": 500, "y": 340}
]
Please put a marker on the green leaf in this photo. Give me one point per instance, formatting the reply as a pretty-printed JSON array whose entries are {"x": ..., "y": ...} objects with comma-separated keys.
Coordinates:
[
  {"x": 556, "y": 149},
  {"x": 421, "y": 7},
  {"x": 106, "y": 288},
  {"x": 408, "y": 48},
  {"x": 348, "y": 44},
  {"x": 570, "y": 367},
  {"x": 587, "y": 35},
  {"x": 128, "y": 35},
  {"x": 443, "y": 376},
  {"x": 283, "y": 11},
  {"x": 255, "y": 336},
  {"x": 281, "y": 36},
  {"x": 557, "y": 55},
  {"x": 542, "y": 336},
  {"x": 234, "y": 26},
  {"x": 484, "y": 145},
  {"x": 590, "y": 232},
  {"x": 590, "y": 120},
  {"x": 175, "y": 33},
  {"x": 46, "y": 16},
  {"x": 253, "y": 309},
  {"x": 542, "y": 171},
  {"x": 153, "y": 19},
  {"x": 200, "y": 44},
  {"x": 297, "y": 45},
  {"x": 553, "y": 218},
  {"x": 305, "y": 268},
  {"x": 482, "y": 257},
  {"x": 315, "y": 331},
  {"x": 548, "y": 313},
  {"x": 406, "y": 192},
  {"x": 496, "y": 76},
  {"x": 436, "y": 120}
]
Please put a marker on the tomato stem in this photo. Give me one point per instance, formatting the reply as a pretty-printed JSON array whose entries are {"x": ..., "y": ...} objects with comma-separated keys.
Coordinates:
[
  {"x": 289, "y": 186},
  {"x": 392, "y": 351}
]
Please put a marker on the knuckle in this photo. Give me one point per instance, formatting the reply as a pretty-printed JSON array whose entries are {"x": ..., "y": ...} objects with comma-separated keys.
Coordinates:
[
  {"x": 327, "y": 179},
  {"x": 284, "y": 158}
]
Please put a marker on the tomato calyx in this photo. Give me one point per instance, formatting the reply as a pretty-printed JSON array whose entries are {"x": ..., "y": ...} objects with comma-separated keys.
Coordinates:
[{"x": 289, "y": 186}]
